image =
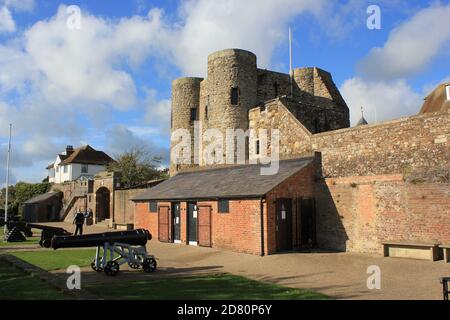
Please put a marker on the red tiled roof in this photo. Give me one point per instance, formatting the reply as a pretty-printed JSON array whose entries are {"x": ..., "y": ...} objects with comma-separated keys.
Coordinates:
[{"x": 87, "y": 155}]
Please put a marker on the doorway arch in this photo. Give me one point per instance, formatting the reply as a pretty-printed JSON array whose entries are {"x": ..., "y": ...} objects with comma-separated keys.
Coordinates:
[{"x": 102, "y": 204}]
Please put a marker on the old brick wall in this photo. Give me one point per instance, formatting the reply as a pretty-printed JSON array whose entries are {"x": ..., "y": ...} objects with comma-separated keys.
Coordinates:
[
  {"x": 300, "y": 185},
  {"x": 240, "y": 229},
  {"x": 358, "y": 213}
]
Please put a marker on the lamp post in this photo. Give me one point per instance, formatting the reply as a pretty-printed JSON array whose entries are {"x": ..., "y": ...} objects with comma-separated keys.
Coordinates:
[{"x": 7, "y": 178}]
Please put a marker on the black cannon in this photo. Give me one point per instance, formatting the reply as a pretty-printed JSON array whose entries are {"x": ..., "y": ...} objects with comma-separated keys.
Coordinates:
[
  {"x": 47, "y": 233},
  {"x": 122, "y": 246}
]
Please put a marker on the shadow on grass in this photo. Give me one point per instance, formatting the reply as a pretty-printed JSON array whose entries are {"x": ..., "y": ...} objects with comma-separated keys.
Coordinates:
[
  {"x": 18, "y": 285},
  {"x": 211, "y": 286}
]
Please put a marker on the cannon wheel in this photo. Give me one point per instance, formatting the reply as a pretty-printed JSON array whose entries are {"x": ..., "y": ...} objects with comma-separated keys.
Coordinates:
[
  {"x": 149, "y": 265},
  {"x": 111, "y": 268},
  {"x": 98, "y": 269}
]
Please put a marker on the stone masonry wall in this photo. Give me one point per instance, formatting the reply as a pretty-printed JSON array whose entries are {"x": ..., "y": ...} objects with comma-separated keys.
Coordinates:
[{"x": 123, "y": 206}]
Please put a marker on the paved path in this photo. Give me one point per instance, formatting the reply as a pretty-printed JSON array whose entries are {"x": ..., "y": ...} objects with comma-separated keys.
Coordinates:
[{"x": 340, "y": 275}]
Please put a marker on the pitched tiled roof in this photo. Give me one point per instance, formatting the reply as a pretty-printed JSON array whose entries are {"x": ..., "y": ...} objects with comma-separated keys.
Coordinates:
[
  {"x": 87, "y": 155},
  {"x": 42, "y": 197},
  {"x": 242, "y": 181}
]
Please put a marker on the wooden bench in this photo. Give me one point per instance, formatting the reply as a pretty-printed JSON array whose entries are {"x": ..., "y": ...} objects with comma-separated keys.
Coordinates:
[
  {"x": 412, "y": 250},
  {"x": 446, "y": 249}
]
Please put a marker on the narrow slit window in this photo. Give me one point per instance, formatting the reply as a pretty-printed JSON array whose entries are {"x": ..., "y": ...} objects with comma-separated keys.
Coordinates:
[
  {"x": 193, "y": 114},
  {"x": 234, "y": 96},
  {"x": 257, "y": 146},
  {"x": 206, "y": 113}
]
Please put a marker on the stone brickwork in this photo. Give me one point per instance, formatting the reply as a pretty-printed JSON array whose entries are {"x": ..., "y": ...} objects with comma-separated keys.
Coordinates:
[
  {"x": 408, "y": 145},
  {"x": 124, "y": 206}
]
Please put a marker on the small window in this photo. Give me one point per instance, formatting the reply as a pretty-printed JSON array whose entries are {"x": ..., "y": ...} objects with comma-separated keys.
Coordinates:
[
  {"x": 84, "y": 168},
  {"x": 65, "y": 169},
  {"x": 152, "y": 206},
  {"x": 57, "y": 168},
  {"x": 275, "y": 89},
  {"x": 224, "y": 206},
  {"x": 193, "y": 114},
  {"x": 234, "y": 96},
  {"x": 257, "y": 147},
  {"x": 206, "y": 113}
]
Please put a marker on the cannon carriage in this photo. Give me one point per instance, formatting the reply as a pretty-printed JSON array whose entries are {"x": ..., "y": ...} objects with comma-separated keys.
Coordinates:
[{"x": 113, "y": 249}]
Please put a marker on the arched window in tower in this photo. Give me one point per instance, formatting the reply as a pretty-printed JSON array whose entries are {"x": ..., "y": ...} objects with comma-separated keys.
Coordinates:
[{"x": 234, "y": 96}]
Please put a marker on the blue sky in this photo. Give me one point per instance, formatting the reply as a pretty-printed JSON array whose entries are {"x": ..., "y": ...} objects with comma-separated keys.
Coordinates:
[{"x": 108, "y": 83}]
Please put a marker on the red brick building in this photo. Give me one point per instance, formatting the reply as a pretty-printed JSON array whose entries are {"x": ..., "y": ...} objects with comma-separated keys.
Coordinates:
[{"x": 234, "y": 208}]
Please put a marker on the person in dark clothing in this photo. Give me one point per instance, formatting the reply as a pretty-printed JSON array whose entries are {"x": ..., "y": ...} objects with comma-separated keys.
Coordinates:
[{"x": 79, "y": 221}]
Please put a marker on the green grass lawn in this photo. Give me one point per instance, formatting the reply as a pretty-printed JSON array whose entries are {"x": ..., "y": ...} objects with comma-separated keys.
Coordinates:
[
  {"x": 57, "y": 259},
  {"x": 16, "y": 284},
  {"x": 214, "y": 287}
]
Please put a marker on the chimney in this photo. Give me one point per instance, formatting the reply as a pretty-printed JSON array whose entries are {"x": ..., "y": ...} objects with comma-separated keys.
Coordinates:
[{"x": 69, "y": 150}]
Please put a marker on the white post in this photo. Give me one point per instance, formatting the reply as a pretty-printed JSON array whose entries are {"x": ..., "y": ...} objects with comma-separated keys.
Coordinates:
[
  {"x": 7, "y": 177},
  {"x": 290, "y": 62}
]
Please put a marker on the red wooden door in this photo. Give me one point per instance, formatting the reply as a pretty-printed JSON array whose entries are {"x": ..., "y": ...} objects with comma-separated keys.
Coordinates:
[
  {"x": 163, "y": 224},
  {"x": 204, "y": 226}
]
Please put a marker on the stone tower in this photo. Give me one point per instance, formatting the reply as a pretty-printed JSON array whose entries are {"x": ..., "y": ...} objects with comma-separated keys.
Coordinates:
[
  {"x": 229, "y": 91},
  {"x": 185, "y": 108},
  {"x": 234, "y": 85}
]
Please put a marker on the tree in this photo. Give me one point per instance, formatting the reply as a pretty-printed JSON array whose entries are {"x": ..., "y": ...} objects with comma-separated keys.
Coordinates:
[
  {"x": 25, "y": 191},
  {"x": 136, "y": 167}
]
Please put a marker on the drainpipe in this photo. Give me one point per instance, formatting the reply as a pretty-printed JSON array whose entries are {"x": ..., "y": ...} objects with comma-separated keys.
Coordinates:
[{"x": 262, "y": 225}]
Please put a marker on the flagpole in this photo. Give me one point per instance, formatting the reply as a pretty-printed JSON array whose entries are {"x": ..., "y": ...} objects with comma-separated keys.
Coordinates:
[
  {"x": 290, "y": 62},
  {"x": 7, "y": 177}
]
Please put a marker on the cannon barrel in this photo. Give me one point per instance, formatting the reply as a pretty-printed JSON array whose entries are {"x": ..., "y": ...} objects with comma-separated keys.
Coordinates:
[
  {"x": 48, "y": 232},
  {"x": 137, "y": 237},
  {"x": 43, "y": 227}
]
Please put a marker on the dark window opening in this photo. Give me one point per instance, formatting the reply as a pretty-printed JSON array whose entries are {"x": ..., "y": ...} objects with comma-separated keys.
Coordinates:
[
  {"x": 152, "y": 206},
  {"x": 206, "y": 113},
  {"x": 234, "y": 96},
  {"x": 257, "y": 147},
  {"x": 224, "y": 206},
  {"x": 275, "y": 89},
  {"x": 316, "y": 125},
  {"x": 193, "y": 114}
]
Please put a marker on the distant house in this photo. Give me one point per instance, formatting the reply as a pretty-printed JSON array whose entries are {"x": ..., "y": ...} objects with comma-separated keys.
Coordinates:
[{"x": 74, "y": 164}]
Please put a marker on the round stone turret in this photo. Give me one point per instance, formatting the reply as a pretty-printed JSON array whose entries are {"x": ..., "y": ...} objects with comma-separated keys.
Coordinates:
[
  {"x": 230, "y": 90},
  {"x": 185, "y": 107}
]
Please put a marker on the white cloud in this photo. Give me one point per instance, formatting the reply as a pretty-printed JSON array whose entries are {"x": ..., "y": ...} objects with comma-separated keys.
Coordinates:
[
  {"x": 7, "y": 23},
  {"x": 19, "y": 5},
  {"x": 411, "y": 46},
  {"x": 381, "y": 100},
  {"x": 255, "y": 25}
]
